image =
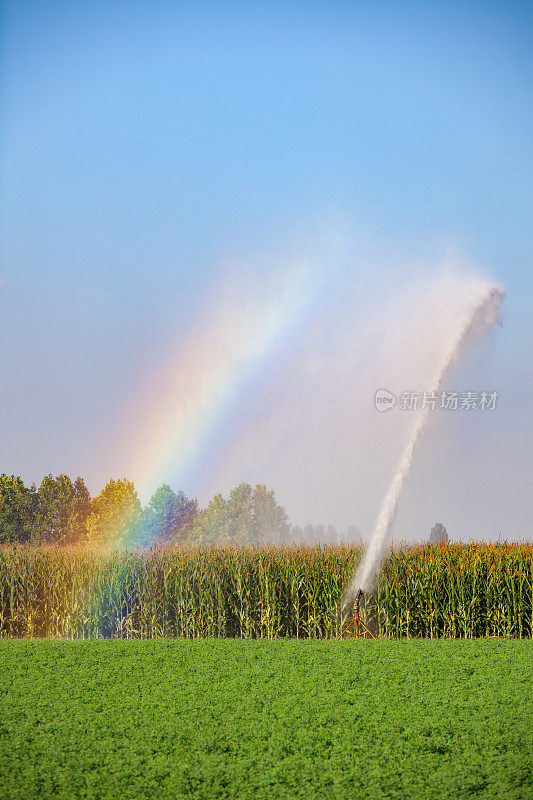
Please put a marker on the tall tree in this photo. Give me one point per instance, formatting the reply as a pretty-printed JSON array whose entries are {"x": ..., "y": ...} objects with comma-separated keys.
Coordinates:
[
  {"x": 332, "y": 537},
  {"x": 115, "y": 513},
  {"x": 246, "y": 517},
  {"x": 212, "y": 525},
  {"x": 82, "y": 509},
  {"x": 438, "y": 534},
  {"x": 270, "y": 522},
  {"x": 354, "y": 534},
  {"x": 319, "y": 534},
  {"x": 309, "y": 534},
  {"x": 17, "y": 509},
  {"x": 62, "y": 511},
  {"x": 240, "y": 509},
  {"x": 168, "y": 517},
  {"x": 297, "y": 534}
]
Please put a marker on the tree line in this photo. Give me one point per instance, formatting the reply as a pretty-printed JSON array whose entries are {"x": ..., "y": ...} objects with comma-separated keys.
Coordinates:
[{"x": 61, "y": 511}]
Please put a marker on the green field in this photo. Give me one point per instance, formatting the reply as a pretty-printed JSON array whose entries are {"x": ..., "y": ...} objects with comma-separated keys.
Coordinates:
[{"x": 266, "y": 719}]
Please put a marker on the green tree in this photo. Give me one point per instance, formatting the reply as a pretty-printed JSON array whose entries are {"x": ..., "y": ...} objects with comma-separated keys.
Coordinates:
[
  {"x": 240, "y": 509},
  {"x": 212, "y": 524},
  {"x": 270, "y": 522},
  {"x": 82, "y": 509},
  {"x": 62, "y": 511},
  {"x": 246, "y": 517},
  {"x": 168, "y": 518},
  {"x": 17, "y": 509},
  {"x": 115, "y": 513}
]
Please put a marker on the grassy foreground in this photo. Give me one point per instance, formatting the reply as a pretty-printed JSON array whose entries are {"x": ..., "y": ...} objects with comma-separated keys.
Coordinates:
[{"x": 258, "y": 719}]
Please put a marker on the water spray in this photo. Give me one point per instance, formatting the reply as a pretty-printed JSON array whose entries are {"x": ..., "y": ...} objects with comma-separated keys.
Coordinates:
[{"x": 482, "y": 314}]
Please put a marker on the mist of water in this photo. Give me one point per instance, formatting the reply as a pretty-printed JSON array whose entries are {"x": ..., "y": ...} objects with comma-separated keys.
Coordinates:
[{"x": 481, "y": 315}]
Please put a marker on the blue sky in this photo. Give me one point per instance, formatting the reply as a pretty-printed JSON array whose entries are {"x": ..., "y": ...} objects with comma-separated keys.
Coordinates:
[{"x": 143, "y": 144}]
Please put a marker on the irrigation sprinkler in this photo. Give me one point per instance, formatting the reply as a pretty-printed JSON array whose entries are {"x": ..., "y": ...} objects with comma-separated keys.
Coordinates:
[{"x": 356, "y": 627}]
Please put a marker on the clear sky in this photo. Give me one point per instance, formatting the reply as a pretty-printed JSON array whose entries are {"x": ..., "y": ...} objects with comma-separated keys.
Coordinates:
[{"x": 156, "y": 154}]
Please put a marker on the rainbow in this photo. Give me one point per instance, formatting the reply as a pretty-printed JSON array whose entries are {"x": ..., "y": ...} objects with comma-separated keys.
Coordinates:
[{"x": 190, "y": 397}]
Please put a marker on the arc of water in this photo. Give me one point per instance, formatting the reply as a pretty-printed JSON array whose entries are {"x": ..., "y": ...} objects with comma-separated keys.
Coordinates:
[{"x": 483, "y": 314}]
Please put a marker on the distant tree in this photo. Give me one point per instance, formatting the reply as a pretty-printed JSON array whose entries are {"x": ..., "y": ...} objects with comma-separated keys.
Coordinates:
[
  {"x": 212, "y": 524},
  {"x": 332, "y": 536},
  {"x": 297, "y": 534},
  {"x": 354, "y": 534},
  {"x": 246, "y": 517},
  {"x": 309, "y": 534},
  {"x": 240, "y": 509},
  {"x": 270, "y": 522},
  {"x": 320, "y": 535},
  {"x": 17, "y": 509},
  {"x": 115, "y": 513},
  {"x": 438, "y": 534},
  {"x": 62, "y": 511},
  {"x": 168, "y": 518},
  {"x": 81, "y": 509}
]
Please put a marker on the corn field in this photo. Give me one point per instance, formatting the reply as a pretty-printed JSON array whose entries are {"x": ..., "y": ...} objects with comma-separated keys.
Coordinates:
[{"x": 457, "y": 591}]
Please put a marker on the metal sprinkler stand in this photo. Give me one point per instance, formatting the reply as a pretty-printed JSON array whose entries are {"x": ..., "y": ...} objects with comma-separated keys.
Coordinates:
[{"x": 356, "y": 627}]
